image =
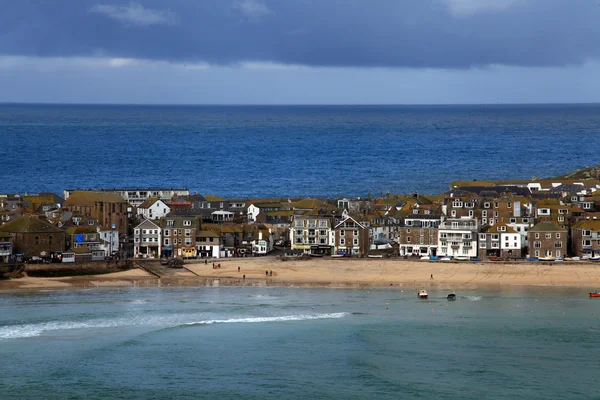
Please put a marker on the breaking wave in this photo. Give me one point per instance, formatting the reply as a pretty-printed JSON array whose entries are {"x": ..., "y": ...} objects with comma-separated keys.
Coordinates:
[{"x": 31, "y": 330}]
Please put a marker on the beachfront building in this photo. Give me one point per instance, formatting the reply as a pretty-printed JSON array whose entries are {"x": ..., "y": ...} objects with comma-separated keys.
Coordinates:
[
  {"x": 208, "y": 244},
  {"x": 499, "y": 240},
  {"x": 34, "y": 237},
  {"x": 153, "y": 208},
  {"x": 457, "y": 237},
  {"x": 521, "y": 225},
  {"x": 585, "y": 238},
  {"x": 147, "y": 240},
  {"x": 311, "y": 234},
  {"x": 352, "y": 237},
  {"x": 256, "y": 208},
  {"x": 547, "y": 240},
  {"x": 418, "y": 235},
  {"x": 179, "y": 236}
]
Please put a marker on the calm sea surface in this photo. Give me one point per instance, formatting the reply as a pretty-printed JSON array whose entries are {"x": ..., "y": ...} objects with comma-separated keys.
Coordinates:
[
  {"x": 286, "y": 343},
  {"x": 290, "y": 151}
]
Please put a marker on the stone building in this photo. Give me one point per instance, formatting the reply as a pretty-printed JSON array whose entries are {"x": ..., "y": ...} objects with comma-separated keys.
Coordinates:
[
  {"x": 585, "y": 238},
  {"x": 34, "y": 237},
  {"x": 547, "y": 240},
  {"x": 418, "y": 235},
  {"x": 110, "y": 210}
]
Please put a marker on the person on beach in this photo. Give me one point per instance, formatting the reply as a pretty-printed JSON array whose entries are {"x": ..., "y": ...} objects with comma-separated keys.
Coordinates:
[
  {"x": 267, "y": 273},
  {"x": 431, "y": 277},
  {"x": 238, "y": 268},
  {"x": 244, "y": 277}
]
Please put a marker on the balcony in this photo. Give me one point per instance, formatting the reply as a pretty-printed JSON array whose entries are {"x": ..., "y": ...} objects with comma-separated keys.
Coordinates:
[{"x": 455, "y": 246}]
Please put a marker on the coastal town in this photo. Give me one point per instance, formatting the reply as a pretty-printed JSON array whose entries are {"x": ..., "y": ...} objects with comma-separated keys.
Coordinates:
[{"x": 548, "y": 220}]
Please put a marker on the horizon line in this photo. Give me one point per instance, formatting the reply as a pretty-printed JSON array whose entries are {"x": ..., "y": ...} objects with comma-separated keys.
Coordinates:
[{"x": 3, "y": 103}]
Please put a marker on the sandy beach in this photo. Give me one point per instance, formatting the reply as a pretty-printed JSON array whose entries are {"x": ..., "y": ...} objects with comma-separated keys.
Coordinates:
[{"x": 336, "y": 273}]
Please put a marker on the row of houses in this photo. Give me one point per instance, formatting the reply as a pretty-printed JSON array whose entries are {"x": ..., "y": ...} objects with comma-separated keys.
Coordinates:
[{"x": 473, "y": 219}]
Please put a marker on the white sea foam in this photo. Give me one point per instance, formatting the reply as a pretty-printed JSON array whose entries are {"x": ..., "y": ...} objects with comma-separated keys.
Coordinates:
[
  {"x": 473, "y": 298},
  {"x": 31, "y": 330},
  {"x": 304, "y": 317}
]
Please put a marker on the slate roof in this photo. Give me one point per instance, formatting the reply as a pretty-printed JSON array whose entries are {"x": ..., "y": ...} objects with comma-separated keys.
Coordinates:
[
  {"x": 81, "y": 198},
  {"x": 547, "y": 226},
  {"x": 29, "y": 224}
]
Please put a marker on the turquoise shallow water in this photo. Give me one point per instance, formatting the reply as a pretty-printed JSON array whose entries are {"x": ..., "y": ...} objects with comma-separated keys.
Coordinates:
[{"x": 291, "y": 343}]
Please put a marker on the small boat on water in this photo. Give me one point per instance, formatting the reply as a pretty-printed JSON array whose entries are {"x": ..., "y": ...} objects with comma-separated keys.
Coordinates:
[
  {"x": 446, "y": 258},
  {"x": 546, "y": 258},
  {"x": 496, "y": 259},
  {"x": 596, "y": 293},
  {"x": 375, "y": 256},
  {"x": 315, "y": 255},
  {"x": 422, "y": 294},
  {"x": 451, "y": 297},
  {"x": 424, "y": 258},
  {"x": 462, "y": 258},
  {"x": 532, "y": 259}
]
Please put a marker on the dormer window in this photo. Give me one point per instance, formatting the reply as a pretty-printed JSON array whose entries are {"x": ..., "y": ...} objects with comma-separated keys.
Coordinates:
[
  {"x": 187, "y": 223},
  {"x": 502, "y": 228},
  {"x": 486, "y": 205},
  {"x": 169, "y": 222}
]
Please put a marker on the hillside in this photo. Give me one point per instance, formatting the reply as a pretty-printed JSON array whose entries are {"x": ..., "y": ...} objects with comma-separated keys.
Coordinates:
[{"x": 584, "y": 173}]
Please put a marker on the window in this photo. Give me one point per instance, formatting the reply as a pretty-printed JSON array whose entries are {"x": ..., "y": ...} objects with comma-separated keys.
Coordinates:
[
  {"x": 169, "y": 222},
  {"x": 561, "y": 219},
  {"x": 537, "y": 253},
  {"x": 491, "y": 221},
  {"x": 482, "y": 245},
  {"x": 558, "y": 253},
  {"x": 486, "y": 205},
  {"x": 421, "y": 232},
  {"x": 508, "y": 205},
  {"x": 482, "y": 236},
  {"x": 323, "y": 223},
  {"x": 342, "y": 241},
  {"x": 408, "y": 230},
  {"x": 188, "y": 241},
  {"x": 513, "y": 220},
  {"x": 187, "y": 223},
  {"x": 453, "y": 213},
  {"x": 537, "y": 235},
  {"x": 558, "y": 235},
  {"x": 299, "y": 223},
  {"x": 188, "y": 232},
  {"x": 586, "y": 232},
  {"x": 548, "y": 236},
  {"x": 465, "y": 251},
  {"x": 587, "y": 242},
  {"x": 537, "y": 244},
  {"x": 502, "y": 228},
  {"x": 355, "y": 232},
  {"x": 495, "y": 204},
  {"x": 137, "y": 240},
  {"x": 558, "y": 245},
  {"x": 355, "y": 242},
  {"x": 495, "y": 236},
  {"x": 167, "y": 242},
  {"x": 455, "y": 225},
  {"x": 322, "y": 232},
  {"x": 143, "y": 231},
  {"x": 408, "y": 239},
  {"x": 137, "y": 231},
  {"x": 484, "y": 220},
  {"x": 167, "y": 232},
  {"x": 471, "y": 213}
]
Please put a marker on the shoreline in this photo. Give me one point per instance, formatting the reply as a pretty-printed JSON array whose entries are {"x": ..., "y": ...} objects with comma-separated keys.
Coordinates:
[{"x": 330, "y": 273}]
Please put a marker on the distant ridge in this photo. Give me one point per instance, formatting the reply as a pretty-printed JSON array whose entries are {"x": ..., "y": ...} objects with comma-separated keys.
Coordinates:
[{"x": 584, "y": 173}]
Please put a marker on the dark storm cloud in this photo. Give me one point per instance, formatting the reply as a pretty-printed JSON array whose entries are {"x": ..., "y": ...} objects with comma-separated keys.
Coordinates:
[{"x": 358, "y": 33}]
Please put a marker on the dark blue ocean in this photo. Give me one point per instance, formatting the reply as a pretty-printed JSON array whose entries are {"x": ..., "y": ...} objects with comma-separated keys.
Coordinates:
[
  {"x": 287, "y": 343},
  {"x": 290, "y": 150}
]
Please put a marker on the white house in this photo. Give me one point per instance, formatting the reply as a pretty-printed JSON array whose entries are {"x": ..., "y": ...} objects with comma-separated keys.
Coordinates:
[
  {"x": 153, "y": 209},
  {"x": 110, "y": 241},
  {"x": 208, "y": 244},
  {"x": 499, "y": 240},
  {"x": 147, "y": 240},
  {"x": 457, "y": 237}
]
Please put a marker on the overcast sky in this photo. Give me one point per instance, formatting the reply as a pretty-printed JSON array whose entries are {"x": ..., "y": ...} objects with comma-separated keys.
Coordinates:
[{"x": 300, "y": 51}]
